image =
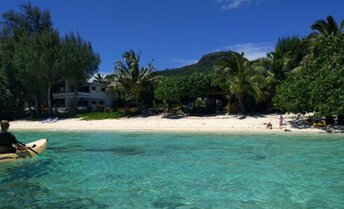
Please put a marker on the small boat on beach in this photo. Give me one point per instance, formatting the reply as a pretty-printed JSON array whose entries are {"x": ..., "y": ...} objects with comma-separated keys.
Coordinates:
[{"x": 35, "y": 148}]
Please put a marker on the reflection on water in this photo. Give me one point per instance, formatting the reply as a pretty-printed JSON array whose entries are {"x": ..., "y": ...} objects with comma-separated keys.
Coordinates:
[
  {"x": 171, "y": 171},
  {"x": 257, "y": 157},
  {"x": 119, "y": 150}
]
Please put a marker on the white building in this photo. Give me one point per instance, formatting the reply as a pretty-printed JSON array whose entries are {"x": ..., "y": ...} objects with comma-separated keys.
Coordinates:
[{"x": 90, "y": 96}]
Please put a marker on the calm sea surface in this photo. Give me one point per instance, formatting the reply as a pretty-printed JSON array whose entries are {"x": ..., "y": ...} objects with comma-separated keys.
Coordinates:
[{"x": 177, "y": 171}]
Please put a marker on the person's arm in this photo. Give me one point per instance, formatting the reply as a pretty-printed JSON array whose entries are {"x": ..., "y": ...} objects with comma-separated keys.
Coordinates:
[
  {"x": 20, "y": 147},
  {"x": 17, "y": 144}
]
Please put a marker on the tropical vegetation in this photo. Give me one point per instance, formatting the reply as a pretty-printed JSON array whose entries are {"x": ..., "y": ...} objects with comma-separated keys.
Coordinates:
[
  {"x": 33, "y": 56},
  {"x": 318, "y": 84},
  {"x": 130, "y": 80},
  {"x": 301, "y": 74},
  {"x": 240, "y": 78}
]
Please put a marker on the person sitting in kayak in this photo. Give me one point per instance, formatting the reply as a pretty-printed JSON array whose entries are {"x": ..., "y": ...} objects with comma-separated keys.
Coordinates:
[{"x": 8, "y": 142}]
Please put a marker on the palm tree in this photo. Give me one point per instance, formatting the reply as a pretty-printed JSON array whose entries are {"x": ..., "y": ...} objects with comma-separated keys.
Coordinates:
[
  {"x": 288, "y": 54},
  {"x": 322, "y": 30},
  {"x": 327, "y": 27},
  {"x": 239, "y": 77},
  {"x": 99, "y": 78},
  {"x": 129, "y": 79}
]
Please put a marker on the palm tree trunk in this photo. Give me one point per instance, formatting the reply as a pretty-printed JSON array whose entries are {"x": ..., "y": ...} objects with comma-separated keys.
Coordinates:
[
  {"x": 241, "y": 103},
  {"x": 49, "y": 98},
  {"x": 167, "y": 105},
  {"x": 126, "y": 103},
  {"x": 137, "y": 102},
  {"x": 37, "y": 105},
  {"x": 35, "y": 99}
]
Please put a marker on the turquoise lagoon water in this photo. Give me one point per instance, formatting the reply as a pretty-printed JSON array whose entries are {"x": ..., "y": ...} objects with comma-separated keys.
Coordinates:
[{"x": 177, "y": 171}]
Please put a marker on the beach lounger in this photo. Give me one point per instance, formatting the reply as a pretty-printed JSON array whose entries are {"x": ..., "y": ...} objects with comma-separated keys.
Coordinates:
[{"x": 50, "y": 120}]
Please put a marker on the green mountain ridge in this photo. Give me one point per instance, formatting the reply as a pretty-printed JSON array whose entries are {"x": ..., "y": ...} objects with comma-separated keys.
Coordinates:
[{"x": 204, "y": 65}]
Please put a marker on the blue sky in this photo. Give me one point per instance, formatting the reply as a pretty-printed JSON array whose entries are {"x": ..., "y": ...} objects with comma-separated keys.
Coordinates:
[{"x": 175, "y": 33}]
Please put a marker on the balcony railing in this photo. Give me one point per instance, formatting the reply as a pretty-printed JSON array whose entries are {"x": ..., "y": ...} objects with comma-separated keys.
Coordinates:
[{"x": 70, "y": 94}]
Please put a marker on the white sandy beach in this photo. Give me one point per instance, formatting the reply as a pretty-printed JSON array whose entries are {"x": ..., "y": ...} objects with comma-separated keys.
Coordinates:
[{"x": 221, "y": 123}]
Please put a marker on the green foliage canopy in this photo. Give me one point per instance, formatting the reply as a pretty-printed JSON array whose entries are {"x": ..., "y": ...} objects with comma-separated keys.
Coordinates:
[
  {"x": 32, "y": 57},
  {"x": 318, "y": 85},
  {"x": 178, "y": 88},
  {"x": 169, "y": 89},
  {"x": 37, "y": 58},
  {"x": 5, "y": 98},
  {"x": 18, "y": 30}
]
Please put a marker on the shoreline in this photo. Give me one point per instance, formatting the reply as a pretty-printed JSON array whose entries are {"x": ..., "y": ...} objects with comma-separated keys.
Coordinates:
[{"x": 227, "y": 124}]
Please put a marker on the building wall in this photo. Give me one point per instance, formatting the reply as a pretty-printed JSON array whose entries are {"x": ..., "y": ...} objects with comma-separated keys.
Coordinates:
[{"x": 90, "y": 96}]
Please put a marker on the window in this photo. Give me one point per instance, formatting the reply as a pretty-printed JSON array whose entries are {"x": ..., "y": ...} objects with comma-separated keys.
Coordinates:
[
  {"x": 101, "y": 103},
  {"x": 94, "y": 88},
  {"x": 58, "y": 102},
  {"x": 83, "y": 103},
  {"x": 103, "y": 89},
  {"x": 85, "y": 89},
  {"x": 94, "y": 102}
]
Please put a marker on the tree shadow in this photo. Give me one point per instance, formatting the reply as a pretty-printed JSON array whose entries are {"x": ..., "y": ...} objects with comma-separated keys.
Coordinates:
[
  {"x": 252, "y": 115},
  {"x": 304, "y": 124},
  {"x": 174, "y": 116}
]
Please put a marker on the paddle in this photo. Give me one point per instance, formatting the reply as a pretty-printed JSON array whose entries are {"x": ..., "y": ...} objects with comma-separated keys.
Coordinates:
[{"x": 30, "y": 148}]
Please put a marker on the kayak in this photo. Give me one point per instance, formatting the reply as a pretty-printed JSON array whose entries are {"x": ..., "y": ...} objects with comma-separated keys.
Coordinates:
[{"x": 35, "y": 148}]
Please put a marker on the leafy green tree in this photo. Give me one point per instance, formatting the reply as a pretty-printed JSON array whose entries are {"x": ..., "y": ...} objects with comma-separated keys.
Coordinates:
[
  {"x": 169, "y": 89},
  {"x": 79, "y": 61},
  {"x": 38, "y": 57},
  {"x": 31, "y": 51},
  {"x": 292, "y": 95},
  {"x": 240, "y": 78},
  {"x": 5, "y": 98},
  {"x": 131, "y": 79},
  {"x": 198, "y": 85},
  {"x": 11, "y": 100},
  {"x": 16, "y": 27},
  {"x": 34, "y": 88},
  {"x": 317, "y": 85},
  {"x": 183, "y": 88},
  {"x": 29, "y": 20}
]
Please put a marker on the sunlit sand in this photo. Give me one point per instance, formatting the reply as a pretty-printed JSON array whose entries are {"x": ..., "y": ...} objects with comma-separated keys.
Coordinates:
[{"x": 220, "y": 123}]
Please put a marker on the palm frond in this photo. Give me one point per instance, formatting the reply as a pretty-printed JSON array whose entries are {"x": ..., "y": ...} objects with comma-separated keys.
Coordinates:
[
  {"x": 241, "y": 77},
  {"x": 131, "y": 79},
  {"x": 326, "y": 27}
]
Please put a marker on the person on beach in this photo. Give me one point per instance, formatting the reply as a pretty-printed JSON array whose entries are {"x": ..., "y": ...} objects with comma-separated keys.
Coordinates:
[
  {"x": 8, "y": 142},
  {"x": 269, "y": 125},
  {"x": 281, "y": 121}
]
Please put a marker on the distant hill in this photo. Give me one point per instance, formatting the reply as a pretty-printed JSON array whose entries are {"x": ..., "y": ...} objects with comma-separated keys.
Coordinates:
[{"x": 205, "y": 64}]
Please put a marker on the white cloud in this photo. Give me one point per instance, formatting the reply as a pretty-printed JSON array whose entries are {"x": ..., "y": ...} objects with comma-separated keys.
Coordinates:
[
  {"x": 183, "y": 62},
  {"x": 232, "y": 4},
  {"x": 251, "y": 51}
]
